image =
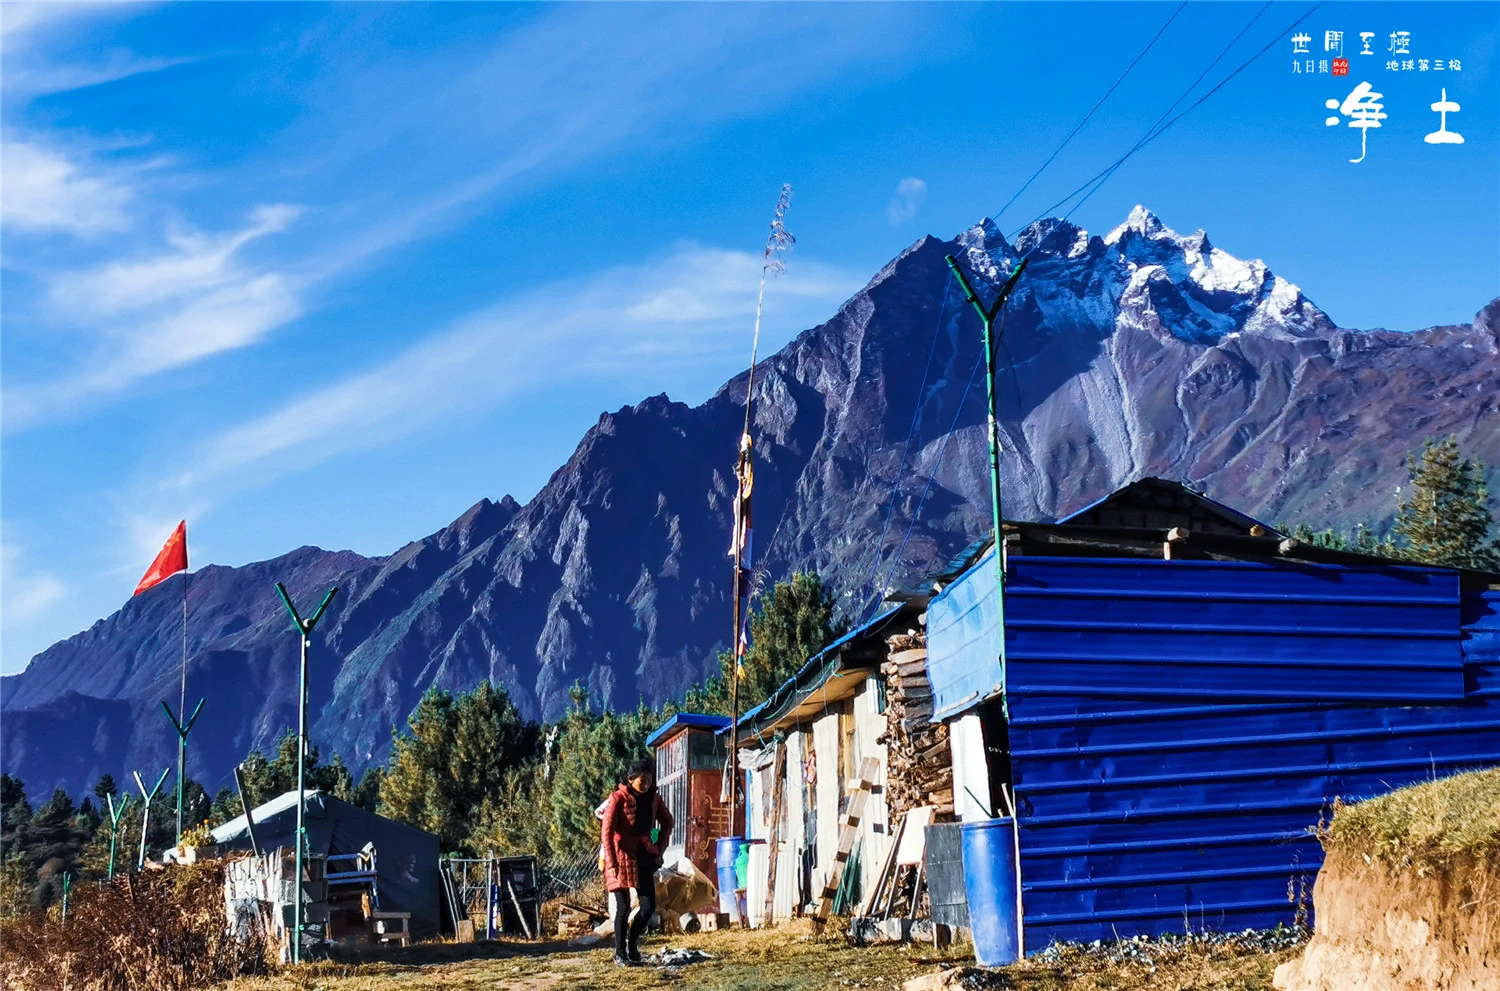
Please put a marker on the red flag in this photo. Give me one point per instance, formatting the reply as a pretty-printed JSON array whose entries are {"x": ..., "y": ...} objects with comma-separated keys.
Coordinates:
[{"x": 172, "y": 559}]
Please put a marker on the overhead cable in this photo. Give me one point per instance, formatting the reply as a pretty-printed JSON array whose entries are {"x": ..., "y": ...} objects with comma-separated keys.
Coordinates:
[{"x": 1100, "y": 102}]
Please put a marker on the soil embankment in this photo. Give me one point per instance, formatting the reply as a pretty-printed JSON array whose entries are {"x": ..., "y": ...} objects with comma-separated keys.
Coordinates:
[{"x": 1408, "y": 898}]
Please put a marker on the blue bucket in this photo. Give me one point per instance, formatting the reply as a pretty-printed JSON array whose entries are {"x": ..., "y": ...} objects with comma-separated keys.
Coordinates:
[
  {"x": 728, "y": 853},
  {"x": 990, "y": 883}
]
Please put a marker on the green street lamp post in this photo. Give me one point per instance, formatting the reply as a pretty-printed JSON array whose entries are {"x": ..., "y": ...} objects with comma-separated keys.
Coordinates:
[{"x": 987, "y": 315}]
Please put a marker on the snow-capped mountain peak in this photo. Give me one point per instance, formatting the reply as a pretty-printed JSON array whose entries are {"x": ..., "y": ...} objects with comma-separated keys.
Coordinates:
[{"x": 1143, "y": 222}]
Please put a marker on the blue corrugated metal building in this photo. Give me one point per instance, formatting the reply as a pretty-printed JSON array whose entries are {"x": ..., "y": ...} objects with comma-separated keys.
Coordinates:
[{"x": 1186, "y": 703}]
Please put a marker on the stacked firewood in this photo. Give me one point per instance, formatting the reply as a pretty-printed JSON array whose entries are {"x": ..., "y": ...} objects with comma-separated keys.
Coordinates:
[{"x": 920, "y": 768}]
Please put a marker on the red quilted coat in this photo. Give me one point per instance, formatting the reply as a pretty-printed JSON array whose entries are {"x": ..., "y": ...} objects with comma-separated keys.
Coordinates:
[{"x": 625, "y": 834}]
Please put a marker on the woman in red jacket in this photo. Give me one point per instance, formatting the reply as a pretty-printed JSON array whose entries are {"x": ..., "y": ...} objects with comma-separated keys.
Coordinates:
[{"x": 630, "y": 856}]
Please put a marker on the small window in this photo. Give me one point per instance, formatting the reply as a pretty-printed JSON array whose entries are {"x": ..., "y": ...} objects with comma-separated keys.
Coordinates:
[{"x": 706, "y": 751}]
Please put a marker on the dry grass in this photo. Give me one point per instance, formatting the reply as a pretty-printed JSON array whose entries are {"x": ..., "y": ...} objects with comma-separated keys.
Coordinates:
[
  {"x": 162, "y": 930},
  {"x": 1153, "y": 966},
  {"x": 787, "y": 958},
  {"x": 1426, "y": 823}
]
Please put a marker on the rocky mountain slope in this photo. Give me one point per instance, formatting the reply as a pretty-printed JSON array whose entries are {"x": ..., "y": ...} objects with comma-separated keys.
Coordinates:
[{"x": 1141, "y": 352}]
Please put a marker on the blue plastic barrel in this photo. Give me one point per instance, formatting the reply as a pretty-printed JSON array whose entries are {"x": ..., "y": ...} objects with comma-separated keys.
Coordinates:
[
  {"x": 728, "y": 853},
  {"x": 990, "y": 883}
]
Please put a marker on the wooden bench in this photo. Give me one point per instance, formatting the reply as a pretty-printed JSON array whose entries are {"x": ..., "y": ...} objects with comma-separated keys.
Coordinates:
[{"x": 392, "y": 927}]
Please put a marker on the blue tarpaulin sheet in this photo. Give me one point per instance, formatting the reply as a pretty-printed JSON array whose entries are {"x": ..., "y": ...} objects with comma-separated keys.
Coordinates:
[{"x": 963, "y": 641}]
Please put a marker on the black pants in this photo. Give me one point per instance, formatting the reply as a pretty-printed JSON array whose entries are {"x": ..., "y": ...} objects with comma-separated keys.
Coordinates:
[{"x": 628, "y": 933}]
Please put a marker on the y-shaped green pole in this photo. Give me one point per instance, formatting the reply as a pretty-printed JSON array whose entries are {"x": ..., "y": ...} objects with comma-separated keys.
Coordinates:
[
  {"x": 304, "y": 633},
  {"x": 183, "y": 729},
  {"x": 115, "y": 815},
  {"x": 147, "y": 796}
]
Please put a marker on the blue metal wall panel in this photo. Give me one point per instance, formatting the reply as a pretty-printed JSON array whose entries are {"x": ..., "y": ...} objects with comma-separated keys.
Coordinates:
[
  {"x": 1165, "y": 775},
  {"x": 963, "y": 640},
  {"x": 1249, "y": 630}
]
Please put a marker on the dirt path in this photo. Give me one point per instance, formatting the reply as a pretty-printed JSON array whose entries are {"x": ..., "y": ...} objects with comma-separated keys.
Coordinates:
[{"x": 774, "y": 960}]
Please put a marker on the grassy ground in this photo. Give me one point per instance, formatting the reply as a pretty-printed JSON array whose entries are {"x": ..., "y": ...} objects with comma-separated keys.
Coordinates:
[
  {"x": 1430, "y": 822},
  {"x": 783, "y": 959}
]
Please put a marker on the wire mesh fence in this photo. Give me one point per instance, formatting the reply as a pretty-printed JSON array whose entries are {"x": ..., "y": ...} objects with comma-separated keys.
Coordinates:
[
  {"x": 473, "y": 891},
  {"x": 563, "y": 876}
]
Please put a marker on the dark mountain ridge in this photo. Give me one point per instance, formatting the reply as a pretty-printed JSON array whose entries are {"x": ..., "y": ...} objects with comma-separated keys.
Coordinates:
[{"x": 1141, "y": 352}]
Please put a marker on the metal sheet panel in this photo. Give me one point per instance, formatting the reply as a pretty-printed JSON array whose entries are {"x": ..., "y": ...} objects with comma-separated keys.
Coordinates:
[
  {"x": 944, "y": 859},
  {"x": 1177, "y": 728},
  {"x": 1252, "y": 630}
]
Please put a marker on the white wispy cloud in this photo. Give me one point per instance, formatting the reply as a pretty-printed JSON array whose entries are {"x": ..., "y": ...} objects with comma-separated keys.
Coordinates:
[
  {"x": 45, "y": 189},
  {"x": 510, "y": 116},
  {"x": 34, "y": 36},
  {"x": 25, "y": 595},
  {"x": 196, "y": 299},
  {"x": 691, "y": 307},
  {"x": 910, "y": 192},
  {"x": 573, "y": 85}
]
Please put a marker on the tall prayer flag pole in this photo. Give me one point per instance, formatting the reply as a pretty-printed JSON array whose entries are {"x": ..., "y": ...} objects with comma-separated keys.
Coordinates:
[{"x": 779, "y": 240}]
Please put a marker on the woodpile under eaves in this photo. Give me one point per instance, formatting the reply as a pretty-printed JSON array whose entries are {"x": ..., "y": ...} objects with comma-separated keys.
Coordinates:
[{"x": 920, "y": 768}]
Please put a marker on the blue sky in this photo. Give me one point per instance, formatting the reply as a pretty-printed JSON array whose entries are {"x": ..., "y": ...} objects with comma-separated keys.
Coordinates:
[{"x": 309, "y": 274}]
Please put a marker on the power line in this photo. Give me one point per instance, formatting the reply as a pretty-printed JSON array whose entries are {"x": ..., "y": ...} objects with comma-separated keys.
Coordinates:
[
  {"x": 1079, "y": 126},
  {"x": 1194, "y": 85},
  {"x": 1155, "y": 132},
  {"x": 1098, "y": 180}
]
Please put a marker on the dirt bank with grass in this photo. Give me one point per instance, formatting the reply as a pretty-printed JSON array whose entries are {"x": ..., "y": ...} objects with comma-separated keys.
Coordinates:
[{"x": 1408, "y": 898}]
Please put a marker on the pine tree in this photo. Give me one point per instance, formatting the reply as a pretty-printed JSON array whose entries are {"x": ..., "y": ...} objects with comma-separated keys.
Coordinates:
[
  {"x": 106, "y": 788},
  {"x": 267, "y": 778},
  {"x": 592, "y": 752},
  {"x": 518, "y": 821},
  {"x": 17, "y": 886},
  {"x": 367, "y": 792},
  {"x": 793, "y": 622},
  {"x": 1448, "y": 519},
  {"x": 452, "y": 760},
  {"x": 15, "y": 814},
  {"x": 17, "y": 874}
]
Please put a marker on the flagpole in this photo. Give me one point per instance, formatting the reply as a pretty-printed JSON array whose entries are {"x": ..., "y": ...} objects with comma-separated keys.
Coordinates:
[
  {"x": 780, "y": 239},
  {"x": 171, "y": 559},
  {"x": 182, "y": 703}
]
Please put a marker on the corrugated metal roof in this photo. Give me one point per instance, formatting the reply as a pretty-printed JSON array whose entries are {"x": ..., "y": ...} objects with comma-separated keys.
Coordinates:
[
  {"x": 1178, "y": 726},
  {"x": 811, "y": 674},
  {"x": 684, "y": 720}
]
